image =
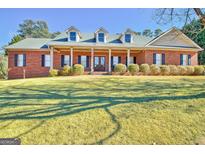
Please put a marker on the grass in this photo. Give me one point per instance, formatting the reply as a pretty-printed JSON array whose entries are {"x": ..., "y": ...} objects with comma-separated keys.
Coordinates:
[{"x": 103, "y": 110}]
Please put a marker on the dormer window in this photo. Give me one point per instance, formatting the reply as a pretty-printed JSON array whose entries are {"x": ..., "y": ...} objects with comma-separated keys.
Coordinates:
[
  {"x": 127, "y": 38},
  {"x": 101, "y": 37},
  {"x": 73, "y": 36}
]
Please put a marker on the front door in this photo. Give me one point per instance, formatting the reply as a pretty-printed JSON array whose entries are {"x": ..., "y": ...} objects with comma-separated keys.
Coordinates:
[{"x": 99, "y": 63}]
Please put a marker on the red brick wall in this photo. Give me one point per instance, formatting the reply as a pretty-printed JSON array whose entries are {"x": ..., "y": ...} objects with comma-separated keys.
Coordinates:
[
  {"x": 33, "y": 65},
  {"x": 34, "y": 69},
  {"x": 171, "y": 57}
]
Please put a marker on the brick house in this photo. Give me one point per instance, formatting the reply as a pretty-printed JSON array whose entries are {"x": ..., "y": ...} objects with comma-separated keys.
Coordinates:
[{"x": 98, "y": 51}]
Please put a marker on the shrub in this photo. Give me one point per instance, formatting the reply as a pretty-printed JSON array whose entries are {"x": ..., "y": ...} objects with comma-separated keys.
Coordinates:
[
  {"x": 173, "y": 70},
  {"x": 145, "y": 69},
  {"x": 77, "y": 69},
  {"x": 165, "y": 70},
  {"x": 120, "y": 68},
  {"x": 133, "y": 69},
  {"x": 198, "y": 70},
  {"x": 154, "y": 69},
  {"x": 53, "y": 72},
  {"x": 65, "y": 71},
  {"x": 3, "y": 67},
  {"x": 182, "y": 70},
  {"x": 190, "y": 70}
]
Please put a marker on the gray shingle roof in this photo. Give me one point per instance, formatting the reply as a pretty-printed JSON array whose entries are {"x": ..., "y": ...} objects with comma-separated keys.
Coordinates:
[
  {"x": 88, "y": 39},
  {"x": 30, "y": 43}
]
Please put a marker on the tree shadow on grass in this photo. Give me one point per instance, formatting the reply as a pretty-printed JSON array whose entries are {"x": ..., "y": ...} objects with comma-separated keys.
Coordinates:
[
  {"x": 115, "y": 122},
  {"x": 73, "y": 104}
]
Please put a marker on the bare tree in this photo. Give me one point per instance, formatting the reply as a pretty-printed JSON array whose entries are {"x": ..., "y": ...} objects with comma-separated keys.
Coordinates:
[{"x": 167, "y": 15}]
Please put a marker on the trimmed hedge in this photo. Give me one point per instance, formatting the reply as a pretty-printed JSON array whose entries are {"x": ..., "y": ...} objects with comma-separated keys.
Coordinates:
[
  {"x": 165, "y": 70},
  {"x": 155, "y": 69},
  {"x": 53, "y": 72},
  {"x": 133, "y": 69},
  {"x": 182, "y": 70},
  {"x": 190, "y": 70},
  {"x": 77, "y": 69},
  {"x": 120, "y": 68},
  {"x": 173, "y": 70},
  {"x": 65, "y": 71},
  {"x": 198, "y": 70},
  {"x": 145, "y": 69}
]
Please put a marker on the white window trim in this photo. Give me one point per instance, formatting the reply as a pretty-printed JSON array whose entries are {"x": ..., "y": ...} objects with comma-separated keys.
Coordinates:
[
  {"x": 47, "y": 61},
  {"x": 97, "y": 37},
  {"x": 184, "y": 60},
  {"x": 83, "y": 61},
  {"x": 158, "y": 59},
  {"x": 117, "y": 59},
  {"x": 131, "y": 60},
  {"x": 67, "y": 60},
  {"x": 77, "y": 36},
  {"x": 123, "y": 38},
  {"x": 20, "y": 60}
]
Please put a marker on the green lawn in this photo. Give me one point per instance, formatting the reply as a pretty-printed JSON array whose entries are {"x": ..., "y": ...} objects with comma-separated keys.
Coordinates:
[{"x": 103, "y": 110}]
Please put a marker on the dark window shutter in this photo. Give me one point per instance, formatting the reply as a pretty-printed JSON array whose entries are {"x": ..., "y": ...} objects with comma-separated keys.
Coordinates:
[
  {"x": 189, "y": 59},
  {"x": 135, "y": 61},
  {"x": 126, "y": 61},
  {"x": 87, "y": 61},
  {"x": 24, "y": 59},
  {"x": 42, "y": 60},
  {"x": 119, "y": 59},
  {"x": 62, "y": 60},
  {"x": 163, "y": 59},
  {"x": 79, "y": 59},
  {"x": 154, "y": 58},
  {"x": 112, "y": 61},
  {"x": 181, "y": 59},
  {"x": 16, "y": 60}
]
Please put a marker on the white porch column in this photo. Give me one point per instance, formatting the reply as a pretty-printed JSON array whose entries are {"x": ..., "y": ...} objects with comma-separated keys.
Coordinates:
[
  {"x": 51, "y": 58},
  {"x": 71, "y": 56},
  {"x": 92, "y": 57},
  {"x": 128, "y": 57},
  {"x": 109, "y": 59}
]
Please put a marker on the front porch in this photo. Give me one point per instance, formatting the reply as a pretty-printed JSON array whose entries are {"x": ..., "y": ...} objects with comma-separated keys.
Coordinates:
[{"x": 94, "y": 59}]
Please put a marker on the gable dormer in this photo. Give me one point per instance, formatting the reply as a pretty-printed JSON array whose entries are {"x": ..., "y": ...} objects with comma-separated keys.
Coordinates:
[
  {"x": 101, "y": 35},
  {"x": 73, "y": 34},
  {"x": 127, "y": 36}
]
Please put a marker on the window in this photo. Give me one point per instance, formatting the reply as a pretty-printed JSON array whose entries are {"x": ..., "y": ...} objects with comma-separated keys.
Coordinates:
[
  {"x": 20, "y": 60},
  {"x": 127, "y": 38},
  {"x": 159, "y": 59},
  {"x": 73, "y": 36},
  {"x": 47, "y": 61},
  {"x": 84, "y": 61},
  {"x": 131, "y": 60},
  {"x": 185, "y": 59},
  {"x": 101, "y": 37},
  {"x": 66, "y": 60},
  {"x": 115, "y": 60}
]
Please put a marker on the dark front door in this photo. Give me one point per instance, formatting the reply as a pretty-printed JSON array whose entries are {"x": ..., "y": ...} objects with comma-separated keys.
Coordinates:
[{"x": 99, "y": 63}]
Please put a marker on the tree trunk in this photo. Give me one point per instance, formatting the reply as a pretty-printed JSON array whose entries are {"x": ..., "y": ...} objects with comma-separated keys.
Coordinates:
[{"x": 200, "y": 15}]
